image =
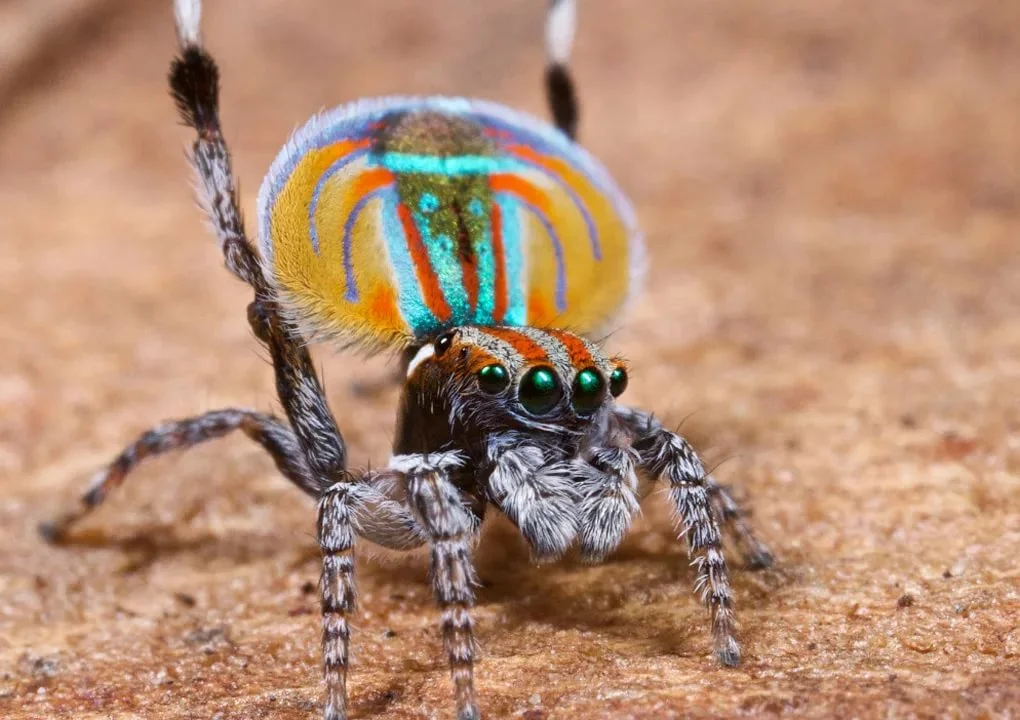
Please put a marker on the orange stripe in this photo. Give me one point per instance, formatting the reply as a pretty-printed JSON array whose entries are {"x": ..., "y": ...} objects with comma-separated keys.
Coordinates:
[
  {"x": 432, "y": 294},
  {"x": 528, "y": 349},
  {"x": 523, "y": 189},
  {"x": 580, "y": 356},
  {"x": 499, "y": 283},
  {"x": 553, "y": 164},
  {"x": 499, "y": 134},
  {"x": 369, "y": 181},
  {"x": 539, "y": 311}
]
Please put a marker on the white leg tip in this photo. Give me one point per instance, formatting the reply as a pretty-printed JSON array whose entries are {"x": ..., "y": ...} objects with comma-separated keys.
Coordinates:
[
  {"x": 559, "y": 30},
  {"x": 188, "y": 15}
]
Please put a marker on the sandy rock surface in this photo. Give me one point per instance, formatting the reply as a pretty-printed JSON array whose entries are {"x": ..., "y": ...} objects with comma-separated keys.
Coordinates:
[{"x": 831, "y": 194}]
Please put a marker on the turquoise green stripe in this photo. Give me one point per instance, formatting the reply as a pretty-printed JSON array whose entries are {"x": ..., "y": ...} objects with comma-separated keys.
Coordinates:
[{"x": 452, "y": 165}]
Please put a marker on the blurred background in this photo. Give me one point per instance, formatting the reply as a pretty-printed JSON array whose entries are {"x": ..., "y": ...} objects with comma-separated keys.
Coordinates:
[{"x": 831, "y": 196}]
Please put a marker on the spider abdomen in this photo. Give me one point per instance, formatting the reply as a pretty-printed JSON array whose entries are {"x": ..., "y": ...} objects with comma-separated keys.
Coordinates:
[{"x": 386, "y": 221}]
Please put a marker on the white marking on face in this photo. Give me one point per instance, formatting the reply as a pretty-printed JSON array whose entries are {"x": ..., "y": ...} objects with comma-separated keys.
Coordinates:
[{"x": 421, "y": 356}]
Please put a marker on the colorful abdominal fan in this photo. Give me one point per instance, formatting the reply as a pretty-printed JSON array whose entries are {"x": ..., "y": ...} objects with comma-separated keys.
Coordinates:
[{"x": 386, "y": 221}]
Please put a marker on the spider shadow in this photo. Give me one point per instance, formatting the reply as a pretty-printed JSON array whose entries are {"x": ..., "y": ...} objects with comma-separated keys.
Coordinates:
[
  {"x": 142, "y": 548},
  {"x": 641, "y": 593}
]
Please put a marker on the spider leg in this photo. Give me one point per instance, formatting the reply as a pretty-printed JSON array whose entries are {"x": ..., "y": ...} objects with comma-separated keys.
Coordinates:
[
  {"x": 537, "y": 496},
  {"x": 664, "y": 454},
  {"x": 561, "y": 22},
  {"x": 325, "y": 451},
  {"x": 194, "y": 84},
  {"x": 756, "y": 554},
  {"x": 448, "y": 522},
  {"x": 381, "y": 515},
  {"x": 268, "y": 431}
]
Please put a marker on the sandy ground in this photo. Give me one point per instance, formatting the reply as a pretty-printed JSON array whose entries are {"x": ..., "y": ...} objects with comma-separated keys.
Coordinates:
[{"x": 831, "y": 192}]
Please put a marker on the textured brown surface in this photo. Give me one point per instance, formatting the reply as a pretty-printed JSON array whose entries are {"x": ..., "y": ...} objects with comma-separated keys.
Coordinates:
[{"x": 831, "y": 192}]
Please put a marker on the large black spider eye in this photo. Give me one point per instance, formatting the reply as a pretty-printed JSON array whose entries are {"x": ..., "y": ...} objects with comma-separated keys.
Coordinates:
[
  {"x": 493, "y": 379},
  {"x": 588, "y": 391},
  {"x": 540, "y": 390},
  {"x": 443, "y": 343},
  {"x": 618, "y": 381}
]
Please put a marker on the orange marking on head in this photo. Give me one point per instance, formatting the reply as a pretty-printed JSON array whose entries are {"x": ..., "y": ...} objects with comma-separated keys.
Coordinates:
[
  {"x": 499, "y": 283},
  {"x": 479, "y": 358},
  {"x": 580, "y": 356},
  {"x": 527, "y": 348},
  {"x": 432, "y": 293}
]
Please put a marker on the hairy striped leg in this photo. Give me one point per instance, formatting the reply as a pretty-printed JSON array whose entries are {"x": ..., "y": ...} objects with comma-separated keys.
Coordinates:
[
  {"x": 664, "y": 454},
  {"x": 194, "y": 84},
  {"x": 755, "y": 553},
  {"x": 304, "y": 401},
  {"x": 560, "y": 25},
  {"x": 267, "y": 431},
  {"x": 450, "y": 526}
]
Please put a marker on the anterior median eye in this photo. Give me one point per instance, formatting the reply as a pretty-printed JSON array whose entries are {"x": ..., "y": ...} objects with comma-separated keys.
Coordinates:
[
  {"x": 618, "y": 381},
  {"x": 540, "y": 390},
  {"x": 493, "y": 379},
  {"x": 588, "y": 391}
]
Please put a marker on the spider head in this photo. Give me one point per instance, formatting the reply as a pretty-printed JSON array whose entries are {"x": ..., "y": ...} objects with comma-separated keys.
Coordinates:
[{"x": 494, "y": 379}]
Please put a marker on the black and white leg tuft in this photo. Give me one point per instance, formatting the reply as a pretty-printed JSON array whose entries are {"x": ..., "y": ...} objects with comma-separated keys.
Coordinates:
[
  {"x": 561, "y": 23},
  {"x": 194, "y": 85}
]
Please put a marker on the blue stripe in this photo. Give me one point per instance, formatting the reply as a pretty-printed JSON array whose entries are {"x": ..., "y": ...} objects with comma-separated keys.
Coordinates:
[
  {"x": 412, "y": 305},
  {"x": 561, "y": 285},
  {"x": 513, "y": 255},
  {"x": 485, "y": 266},
  {"x": 444, "y": 262},
  {"x": 593, "y": 232},
  {"x": 553, "y": 142},
  {"x": 350, "y": 282},
  {"x": 451, "y": 166},
  {"x": 338, "y": 165}
]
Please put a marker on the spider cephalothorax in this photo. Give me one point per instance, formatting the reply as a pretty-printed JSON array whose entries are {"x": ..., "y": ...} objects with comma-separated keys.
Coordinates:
[
  {"x": 461, "y": 234},
  {"x": 502, "y": 379}
]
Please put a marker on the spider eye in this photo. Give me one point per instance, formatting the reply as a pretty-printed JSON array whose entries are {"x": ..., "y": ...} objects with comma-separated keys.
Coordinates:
[
  {"x": 493, "y": 379},
  {"x": 618, "y": 381},
  {"x": 540, "y": 390},
  {"x": 443, "y": 343},
  {"x": 588, "y": 391}
]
